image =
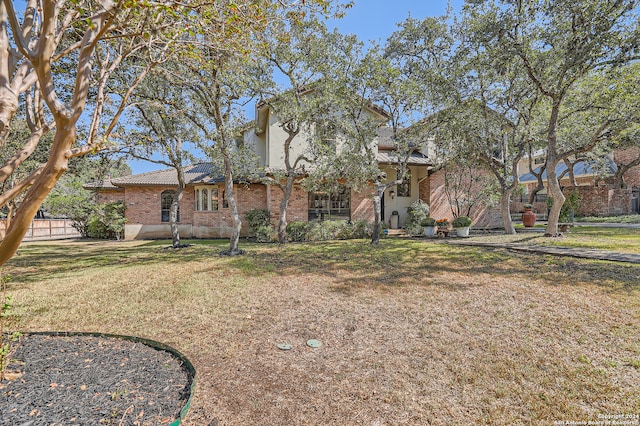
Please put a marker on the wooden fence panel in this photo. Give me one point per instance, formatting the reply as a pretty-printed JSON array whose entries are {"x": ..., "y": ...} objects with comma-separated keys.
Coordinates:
[{"x": 46, "y": 229}]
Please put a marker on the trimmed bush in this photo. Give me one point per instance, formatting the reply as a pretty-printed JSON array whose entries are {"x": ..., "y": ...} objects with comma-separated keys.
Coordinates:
[
  {"x": 323, "y": 231},
  {"x": 265, "y": 234}
]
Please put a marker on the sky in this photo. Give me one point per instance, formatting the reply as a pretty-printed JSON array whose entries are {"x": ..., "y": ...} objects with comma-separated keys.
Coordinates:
[{"x": 370, "y": 20}]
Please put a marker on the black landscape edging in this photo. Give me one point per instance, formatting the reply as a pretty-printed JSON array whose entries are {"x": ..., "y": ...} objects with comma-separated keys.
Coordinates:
[{"x": 148, "y": 342}]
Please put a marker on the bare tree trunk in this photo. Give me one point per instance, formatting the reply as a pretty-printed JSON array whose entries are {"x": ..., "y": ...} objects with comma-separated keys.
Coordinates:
[
  {"x": 233, "y": 206},
  {"x": 175, "y": 206},
  {"x": 505, "y": 211},
  {"x": 552, "y": 179},
  {"x": 377, "y": 214},
  {"x": 571, "y": 171},
  {"x": 282, "y": 223}
]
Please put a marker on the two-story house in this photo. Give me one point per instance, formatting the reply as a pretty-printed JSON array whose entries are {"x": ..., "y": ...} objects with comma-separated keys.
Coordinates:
[{"x": 204, "y": 211}]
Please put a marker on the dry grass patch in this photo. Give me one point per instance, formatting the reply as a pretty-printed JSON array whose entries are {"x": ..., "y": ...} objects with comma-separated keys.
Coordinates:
[
  {"x": 625, "y": 240},
  {"x": 413, "y": 332}
]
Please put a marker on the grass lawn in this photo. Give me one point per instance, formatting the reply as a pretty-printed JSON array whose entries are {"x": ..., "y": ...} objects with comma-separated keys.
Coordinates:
[
  {"x": 626, "y": 240},
  {"x": 413, "y": 332}
]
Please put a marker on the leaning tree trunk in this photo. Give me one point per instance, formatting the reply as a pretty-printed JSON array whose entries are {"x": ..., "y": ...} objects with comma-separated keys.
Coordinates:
[
  {"x": 42, "y": 187},
  {"x": 282, "y": 222}
]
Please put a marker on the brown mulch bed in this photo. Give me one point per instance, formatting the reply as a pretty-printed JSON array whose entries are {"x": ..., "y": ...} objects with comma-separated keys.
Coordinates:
[{"x": 83, "y": 379}]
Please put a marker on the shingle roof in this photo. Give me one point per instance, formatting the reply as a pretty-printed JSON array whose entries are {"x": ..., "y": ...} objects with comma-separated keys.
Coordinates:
[
  {"x": 102, "y": 184},
  {"x": 199, "y": 173},
  {"x": 204, "y": 173}
]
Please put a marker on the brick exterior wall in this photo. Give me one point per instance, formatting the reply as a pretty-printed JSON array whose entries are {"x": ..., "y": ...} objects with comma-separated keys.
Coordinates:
[
  {"x": 602, "y": 201},
  {"x": 297, "y": 209},
  {"x": 144, "y": 218},
  {"x": 632, "y": 177},
  {"x": 110, "y": 195},
  {"x": 424, "y": 190},
  {"x": 596, "y": 201},
  {"x": 362, "y": 205},
  {"x": 483, "y": 216},
  {"x": 144, "y": 215}
]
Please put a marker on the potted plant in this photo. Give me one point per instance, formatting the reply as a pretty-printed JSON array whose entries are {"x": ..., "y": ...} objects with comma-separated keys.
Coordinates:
[
  {"x": 429, "y": 226},
  {"x": 443, "y": 226},
  {"x": 461, "y": 225},
  {"x": 395, "y": 220},
  {"x": 528, "y": 217}
]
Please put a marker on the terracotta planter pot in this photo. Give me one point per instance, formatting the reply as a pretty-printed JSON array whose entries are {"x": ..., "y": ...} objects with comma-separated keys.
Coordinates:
[{"x": 528, "y": 218}]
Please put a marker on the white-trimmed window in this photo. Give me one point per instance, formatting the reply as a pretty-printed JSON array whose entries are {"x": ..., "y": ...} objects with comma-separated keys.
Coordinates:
[
  {"x": 166, "y": 199},
  {"x": 206, "y": 198}
]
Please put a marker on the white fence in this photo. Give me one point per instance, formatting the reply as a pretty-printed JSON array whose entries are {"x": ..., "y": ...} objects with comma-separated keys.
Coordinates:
[{"x": 46, "y": 229}]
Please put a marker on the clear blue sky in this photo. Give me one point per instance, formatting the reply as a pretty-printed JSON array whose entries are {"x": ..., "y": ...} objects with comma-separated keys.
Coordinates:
[
  {"x": 378, "y": 19},
  {"x": 370, "y": 20}
]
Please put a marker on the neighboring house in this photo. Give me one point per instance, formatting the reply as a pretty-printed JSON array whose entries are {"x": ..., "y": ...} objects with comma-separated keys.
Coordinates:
[
  {"x": 204, "y": 211},
  {"x": 599, "y": 196}
]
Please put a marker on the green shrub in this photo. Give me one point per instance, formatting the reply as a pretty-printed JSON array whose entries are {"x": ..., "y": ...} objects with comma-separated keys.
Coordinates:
[
  {"x": 428, "y": 221},
  {"x": 354, "y": 230},
  {"x": 570, "y": 206},
  {"x": 418, "y": 211},
  {"x": 265, "y": 234},
  {"x": 260, "y": 225},
  {"x": 462, "y": 221},
  {"x": 323, "y": 231},
  {"x": 107, "y": 221},
  {"x": 297, "y": 231}
]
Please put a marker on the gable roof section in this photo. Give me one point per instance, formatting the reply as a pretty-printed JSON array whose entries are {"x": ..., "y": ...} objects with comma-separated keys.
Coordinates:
[{"x": 262, "y": 108}]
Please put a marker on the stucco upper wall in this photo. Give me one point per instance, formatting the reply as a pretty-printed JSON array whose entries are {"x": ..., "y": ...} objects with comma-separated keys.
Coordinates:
[
  {"x": 258, "y": 143},
  {"x": 276, "y": 137}
]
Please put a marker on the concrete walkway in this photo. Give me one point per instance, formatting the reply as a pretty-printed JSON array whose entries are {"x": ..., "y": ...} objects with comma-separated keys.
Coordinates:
[{"x": 556, "y": 251}]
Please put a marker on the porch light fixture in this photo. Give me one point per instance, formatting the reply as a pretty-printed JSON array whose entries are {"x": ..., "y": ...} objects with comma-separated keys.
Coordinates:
[{"x": 392, "y": 194}]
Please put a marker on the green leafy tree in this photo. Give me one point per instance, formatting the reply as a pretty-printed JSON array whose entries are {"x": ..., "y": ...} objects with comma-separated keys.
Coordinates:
[
  {"x": 56, "y": 58},
  {"x": 559, "y": 44},
  {"x": 400, "y": 90},
  {"x": 161, "y": 133},
  {"x": 308, "y": 56}
]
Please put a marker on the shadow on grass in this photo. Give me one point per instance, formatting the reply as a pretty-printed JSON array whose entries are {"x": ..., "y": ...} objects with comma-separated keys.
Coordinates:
[
  {"x": 400, "y": 262},
  {"x": 43, "y": 261},
  {"x": 353, "y": 264}
]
